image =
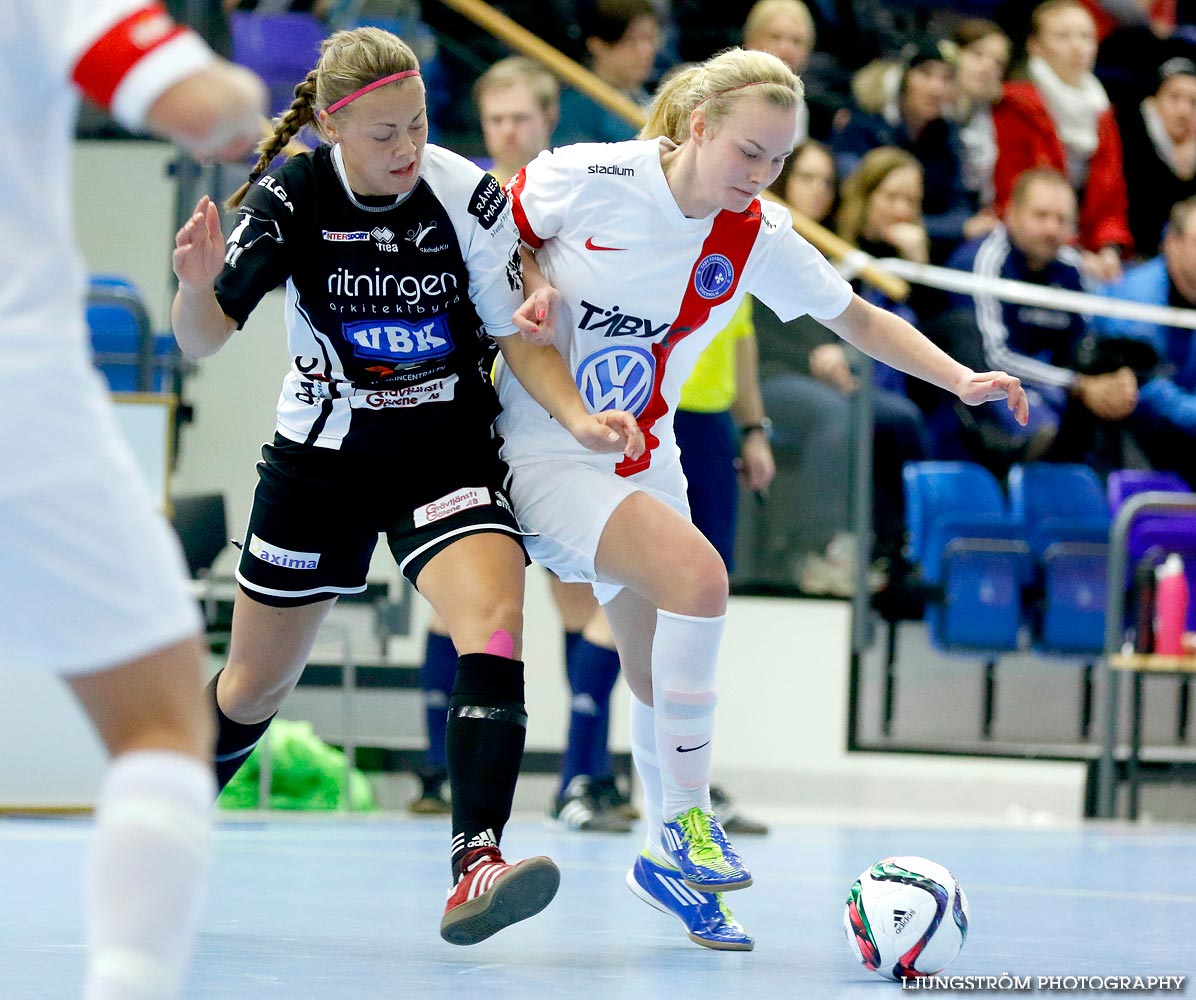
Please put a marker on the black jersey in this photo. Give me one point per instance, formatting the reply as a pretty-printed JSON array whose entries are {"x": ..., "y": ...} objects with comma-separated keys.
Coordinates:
[{"x": 388, "y": 306}]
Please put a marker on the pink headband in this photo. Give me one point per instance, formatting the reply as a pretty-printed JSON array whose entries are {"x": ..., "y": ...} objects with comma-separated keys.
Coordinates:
[{"x": 371, "y": 86}]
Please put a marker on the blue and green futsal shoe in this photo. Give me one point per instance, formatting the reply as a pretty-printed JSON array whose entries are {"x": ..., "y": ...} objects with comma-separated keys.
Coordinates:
[
  {"x": 698, "y": 846},
  {"x": 706, "y": 917}
]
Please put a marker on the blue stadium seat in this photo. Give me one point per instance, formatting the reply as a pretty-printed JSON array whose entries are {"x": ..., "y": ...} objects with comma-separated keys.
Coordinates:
[
  {"x": 124, "y": 346},
  {"x": 972, "y": 561},
  {"x": 1066, "y": 520},
  {"x": 280, "y": 48},
  {"x": 968, "y": 548}
]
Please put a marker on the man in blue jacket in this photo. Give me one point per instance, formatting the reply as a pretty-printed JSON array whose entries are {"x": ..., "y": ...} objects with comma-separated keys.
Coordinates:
[
  {"x": 1070, "y": 411},
  {"x": 1166, "y": 415}
]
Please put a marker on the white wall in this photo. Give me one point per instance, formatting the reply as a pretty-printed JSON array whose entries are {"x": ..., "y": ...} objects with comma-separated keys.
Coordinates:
[{"x": 124, "y": 215}]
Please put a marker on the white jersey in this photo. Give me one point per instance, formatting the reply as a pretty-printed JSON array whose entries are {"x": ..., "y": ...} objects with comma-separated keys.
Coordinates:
[
  {"x": 646, "y": 289},
  {"x": 121, "y": 53},
  {"x": 90, "y": 573}
]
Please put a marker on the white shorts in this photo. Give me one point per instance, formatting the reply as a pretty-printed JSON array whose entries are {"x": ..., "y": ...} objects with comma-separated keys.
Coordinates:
[
  {"x": 91, "y": 575},
  {"x": 567, "y": 504}
]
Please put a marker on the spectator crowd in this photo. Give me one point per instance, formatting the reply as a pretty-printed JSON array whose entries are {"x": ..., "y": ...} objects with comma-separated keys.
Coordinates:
[{"x": 1054, "y": 144}]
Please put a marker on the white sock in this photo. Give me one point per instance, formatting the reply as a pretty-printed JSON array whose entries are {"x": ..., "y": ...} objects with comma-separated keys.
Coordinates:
[
  {"x": 145, "y": 874},
  {"x": 684, "y": 661},
  {"x": 647, "y": 766}
]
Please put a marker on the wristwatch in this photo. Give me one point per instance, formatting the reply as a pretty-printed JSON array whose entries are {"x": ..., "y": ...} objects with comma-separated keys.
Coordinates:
[{"x": 764, "y": 425}]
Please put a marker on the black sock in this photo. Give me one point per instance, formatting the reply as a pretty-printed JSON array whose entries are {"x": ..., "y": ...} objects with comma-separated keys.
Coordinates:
[
  {"x": 234, "y": 741},
  {"x": 487, "y": 726}
]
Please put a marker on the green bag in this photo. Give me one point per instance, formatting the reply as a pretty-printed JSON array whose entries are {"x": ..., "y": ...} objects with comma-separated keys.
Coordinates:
[{"x": 306, "y": 773}]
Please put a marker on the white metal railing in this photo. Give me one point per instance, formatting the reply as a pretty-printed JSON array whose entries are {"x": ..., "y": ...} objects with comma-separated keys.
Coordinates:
[{"x": 950, "y": 280}]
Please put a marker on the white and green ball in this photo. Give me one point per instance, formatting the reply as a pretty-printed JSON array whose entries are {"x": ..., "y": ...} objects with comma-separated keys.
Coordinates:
[{"x": 906, "y": 917}]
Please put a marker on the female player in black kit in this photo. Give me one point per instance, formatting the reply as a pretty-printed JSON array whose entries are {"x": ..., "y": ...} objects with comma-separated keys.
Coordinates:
[{"x": 399, "y": 258}]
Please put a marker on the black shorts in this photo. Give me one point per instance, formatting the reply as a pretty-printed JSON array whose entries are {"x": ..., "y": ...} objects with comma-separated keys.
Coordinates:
[{"x": 317, "y": 514}]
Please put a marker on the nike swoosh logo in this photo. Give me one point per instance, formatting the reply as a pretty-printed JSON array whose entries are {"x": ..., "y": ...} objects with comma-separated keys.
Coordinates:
[
  {"x": 692, "y": 749},
  {"x": 591, "y": 245}
]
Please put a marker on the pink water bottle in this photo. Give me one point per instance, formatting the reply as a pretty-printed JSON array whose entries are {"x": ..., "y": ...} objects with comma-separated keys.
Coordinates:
[{"x": 1171, "y": 606}]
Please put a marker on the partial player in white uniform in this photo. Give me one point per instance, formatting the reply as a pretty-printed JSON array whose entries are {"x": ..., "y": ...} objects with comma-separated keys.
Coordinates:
[
  {"x": 647, "y": 248},
  {"x": 400, "y": 259},
  {"x": 92, "y": 584}
]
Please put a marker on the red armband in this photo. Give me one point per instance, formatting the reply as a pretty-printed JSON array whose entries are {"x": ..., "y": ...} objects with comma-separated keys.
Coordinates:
[{"x": 105, "y": 64}]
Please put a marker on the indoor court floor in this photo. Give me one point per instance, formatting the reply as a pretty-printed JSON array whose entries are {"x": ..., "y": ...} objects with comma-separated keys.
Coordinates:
[{"x": 333, "y": 908}]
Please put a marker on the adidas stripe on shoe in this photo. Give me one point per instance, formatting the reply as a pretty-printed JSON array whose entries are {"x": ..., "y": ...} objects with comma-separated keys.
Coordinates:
[
  {"x": 697, "y": 845},
  {"x": 579, "y": 812},
  {"x": 491, "y": 895},
  {"x": 707, "y": 919}
]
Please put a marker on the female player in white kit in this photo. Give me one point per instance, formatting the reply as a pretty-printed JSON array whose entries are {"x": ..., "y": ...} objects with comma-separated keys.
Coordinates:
[
  {"x": 92, "y": 583},
  {"x": 647, "y": 248}
]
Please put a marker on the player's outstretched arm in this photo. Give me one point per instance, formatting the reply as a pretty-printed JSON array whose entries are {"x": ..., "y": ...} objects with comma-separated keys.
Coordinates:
[
  {"x": 889, "y": 338},
  {"x": 543, "y": 373},
  {"x": 200, "y": 325},
  {"x": 216, "y": 112}
]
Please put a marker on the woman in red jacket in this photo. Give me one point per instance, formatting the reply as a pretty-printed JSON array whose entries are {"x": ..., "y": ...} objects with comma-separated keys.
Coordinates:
[{"x": 1061, "y": 117}]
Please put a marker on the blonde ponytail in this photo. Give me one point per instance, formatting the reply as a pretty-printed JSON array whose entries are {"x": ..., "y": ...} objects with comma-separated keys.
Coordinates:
[{"x": 717, "y": 85}]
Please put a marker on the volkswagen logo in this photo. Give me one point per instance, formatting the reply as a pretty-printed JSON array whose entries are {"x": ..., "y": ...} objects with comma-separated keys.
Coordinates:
[{"x": 617, "y": 378}]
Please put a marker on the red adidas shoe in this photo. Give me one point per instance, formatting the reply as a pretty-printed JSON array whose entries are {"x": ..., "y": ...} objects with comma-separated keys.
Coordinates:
[{"x": 491, "y": 895}]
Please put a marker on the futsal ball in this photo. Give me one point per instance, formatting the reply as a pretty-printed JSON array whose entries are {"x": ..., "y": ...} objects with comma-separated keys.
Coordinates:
[{"x": 906, "y": 917}]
